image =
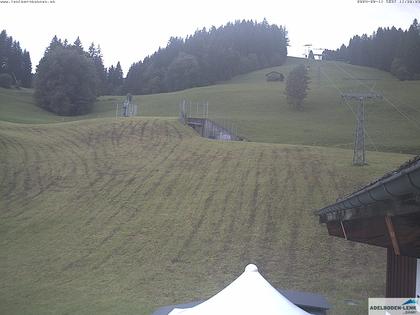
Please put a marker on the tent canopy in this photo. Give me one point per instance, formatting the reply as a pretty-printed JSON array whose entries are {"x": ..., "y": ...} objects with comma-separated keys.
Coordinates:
[{"x": 249, "y": 294}]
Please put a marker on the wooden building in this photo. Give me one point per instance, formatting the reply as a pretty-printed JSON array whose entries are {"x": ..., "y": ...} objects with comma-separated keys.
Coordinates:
[
  {"x": 385, "y": 213},
  {"x": 274, "y": 76}
]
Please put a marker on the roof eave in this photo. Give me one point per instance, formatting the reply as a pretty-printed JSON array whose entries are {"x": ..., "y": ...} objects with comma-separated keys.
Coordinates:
[{"x": 401, "y": 185}]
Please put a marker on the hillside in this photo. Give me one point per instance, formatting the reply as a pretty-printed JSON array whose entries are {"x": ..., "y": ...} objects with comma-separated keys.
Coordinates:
[
  {"x": 259, "y": 109},
  {"x": 260, "y": 113},
  {"x": 121, "y": 216}
]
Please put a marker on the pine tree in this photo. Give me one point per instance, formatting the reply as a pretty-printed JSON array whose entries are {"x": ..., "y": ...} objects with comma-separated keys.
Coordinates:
[
  {"x": 115, "y": 80},
  {"x": 118, "y": 80},
  {"x": 55, "y": 43},
  {"x": 101, "y": 76},
  {"x": 78, "y": 44},
  {"x": 14, "y": 61},
  {"x": 3, "y": 51},
  {"x": 411, "y": 56},
  {"x": 26, "y": 70},
  {"x": 297, "y": 85},
  {"x": 311, "y": 55}
]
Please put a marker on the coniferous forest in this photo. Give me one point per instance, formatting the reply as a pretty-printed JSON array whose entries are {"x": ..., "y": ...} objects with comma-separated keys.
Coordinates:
[
  {"x": 209, "y": 56},
  {"x": 388, "y": 49},
  {"x": 15, "y": 63}
]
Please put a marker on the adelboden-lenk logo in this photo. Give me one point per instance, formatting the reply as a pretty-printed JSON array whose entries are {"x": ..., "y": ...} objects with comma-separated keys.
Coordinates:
[{"x": 394, "y": 306}]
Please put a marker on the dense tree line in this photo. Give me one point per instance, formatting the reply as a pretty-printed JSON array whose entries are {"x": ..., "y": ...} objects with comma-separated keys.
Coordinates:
[
  {"x": 389, "y": 49},
  {"x": 109, "y": 81},
  {"x": 15, "y": 63},
  {"x": 209, "y": 56}
]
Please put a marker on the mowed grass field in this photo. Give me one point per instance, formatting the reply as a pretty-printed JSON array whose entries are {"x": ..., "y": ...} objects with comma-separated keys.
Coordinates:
[
  {"x": 260, "y": 112},
  {"x": 108, "y": 216}
]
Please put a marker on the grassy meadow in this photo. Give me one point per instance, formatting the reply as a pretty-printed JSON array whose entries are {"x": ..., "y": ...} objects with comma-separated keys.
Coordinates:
[
  {"x": 119, "y": 216},
  {"x": 260, "y": 113},
  {"x": 122, "y": 216}
]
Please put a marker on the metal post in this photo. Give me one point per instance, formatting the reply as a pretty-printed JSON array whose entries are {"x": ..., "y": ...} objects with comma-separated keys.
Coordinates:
[
  {"x": 319, "y": 73},
  {"x": 359, "y": 156}
]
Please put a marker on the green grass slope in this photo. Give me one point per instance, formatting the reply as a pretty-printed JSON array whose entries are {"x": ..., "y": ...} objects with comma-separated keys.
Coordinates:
[
  {"x": 260, "y": 112},
  {"x": 18, "y": 105},
  {"x": 121, "y": 216}
]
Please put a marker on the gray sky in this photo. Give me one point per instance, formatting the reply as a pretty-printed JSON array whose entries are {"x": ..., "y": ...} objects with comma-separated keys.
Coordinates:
[{"x": 130, "y": 30}]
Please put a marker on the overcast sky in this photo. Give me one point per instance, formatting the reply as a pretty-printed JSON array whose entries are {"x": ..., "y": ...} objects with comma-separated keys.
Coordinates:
[{"x": 130, "y": 30}]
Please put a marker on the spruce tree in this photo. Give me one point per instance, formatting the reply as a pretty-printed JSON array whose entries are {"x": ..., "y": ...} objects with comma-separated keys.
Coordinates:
[
  {"x": 297, "y": 85},
  {"x": 115, "y": 80},
  {"x": 55, "y": 42},
  {"x": 96, "y": 56},
  {"x": 26, "y": 70},
  {"x": 14, "y": 62},
  {"x": 311, "y": 55},
  {"x": 78, "y": 44}
]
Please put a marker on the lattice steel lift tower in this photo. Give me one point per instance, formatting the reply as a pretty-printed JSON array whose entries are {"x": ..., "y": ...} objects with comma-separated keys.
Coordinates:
[{"x": 359, "y": 155}]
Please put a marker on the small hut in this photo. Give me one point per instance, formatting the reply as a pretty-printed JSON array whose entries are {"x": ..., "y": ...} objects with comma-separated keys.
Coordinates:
[{"x": 274, "y": 76}]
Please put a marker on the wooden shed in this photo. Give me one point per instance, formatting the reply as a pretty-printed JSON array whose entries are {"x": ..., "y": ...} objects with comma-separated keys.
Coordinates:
[
  {"x": 274, "y": 76},
  {"x": 385, "y": 213}
]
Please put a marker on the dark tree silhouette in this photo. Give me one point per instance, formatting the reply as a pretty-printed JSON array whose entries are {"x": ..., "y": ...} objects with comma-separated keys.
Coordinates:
[
  {"x": 66, "y": 81},
  {"x": 115, "y": 80},
  {"x": 209, "y": 56},
  {"x": 388, "y": 49},
  {"x": 101, "y": 74},
  {"x": 14, "y": 61},
  {"x": 297, "y": 85},
  {"x": 311, "y": 55}
]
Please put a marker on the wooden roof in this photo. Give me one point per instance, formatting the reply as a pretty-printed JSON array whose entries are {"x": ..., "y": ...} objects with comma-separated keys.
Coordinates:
[
  {"x": 384, "y": 213},
  {"x": 272, "y": 72}
]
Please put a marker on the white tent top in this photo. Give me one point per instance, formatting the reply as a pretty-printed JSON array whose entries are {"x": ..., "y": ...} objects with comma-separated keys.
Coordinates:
[{"x": 249, "y": 294}]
